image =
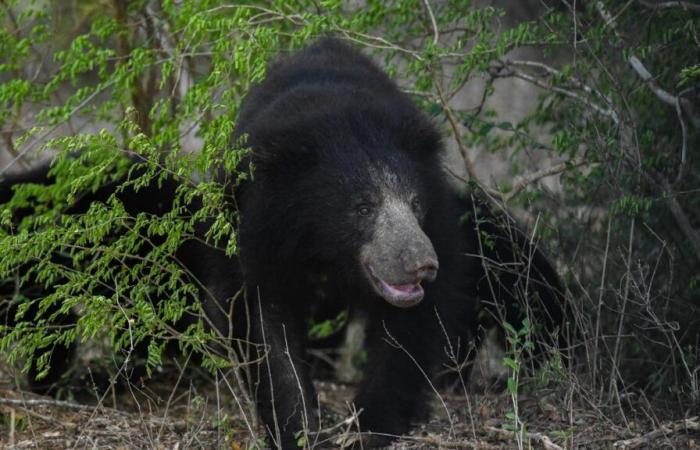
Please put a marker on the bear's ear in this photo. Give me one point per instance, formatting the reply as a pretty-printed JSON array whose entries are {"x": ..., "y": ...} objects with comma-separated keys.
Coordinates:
[
  {"x": 282, "y": 147},
  {"x": 420, "y": 137},
  {"x": 278, "y": 157}
]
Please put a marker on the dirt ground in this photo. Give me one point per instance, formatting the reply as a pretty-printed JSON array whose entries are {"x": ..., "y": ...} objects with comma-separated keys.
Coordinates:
[{"x": 172, "y": 414}]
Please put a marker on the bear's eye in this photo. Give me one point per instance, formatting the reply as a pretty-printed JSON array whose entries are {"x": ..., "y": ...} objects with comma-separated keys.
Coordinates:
[
  {"x": 364, "y": 210},
  {"x": 415, "y": 204}
]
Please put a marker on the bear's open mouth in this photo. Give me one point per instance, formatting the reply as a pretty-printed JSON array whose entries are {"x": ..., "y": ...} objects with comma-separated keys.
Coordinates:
[{"x": 402, "y": 295}]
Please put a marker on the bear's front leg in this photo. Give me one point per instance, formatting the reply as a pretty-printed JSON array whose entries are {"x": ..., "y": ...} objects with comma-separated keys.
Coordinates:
[
  {"x": 282, "y": 386},
  {"x": 403, "y": 350}
]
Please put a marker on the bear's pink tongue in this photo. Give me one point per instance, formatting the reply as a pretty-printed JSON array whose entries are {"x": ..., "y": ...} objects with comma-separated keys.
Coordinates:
[{"x": 403, "y": 288}]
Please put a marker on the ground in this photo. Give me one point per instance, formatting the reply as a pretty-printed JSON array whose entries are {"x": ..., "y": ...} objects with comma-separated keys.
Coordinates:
[{"x": 167, "y": 414}]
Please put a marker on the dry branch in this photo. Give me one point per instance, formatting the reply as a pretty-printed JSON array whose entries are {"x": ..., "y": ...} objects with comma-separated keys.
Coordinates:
[
  {"x": 688, "y": 6},
  {"x": 433, "y": 23},
  {"x": 575, "y": 82},
  {"x": 436, "y": 442},
  {"x": 644, "y": 74},
  {"x": 540, "y": 438},
  {"x": 457, "y": 133},
  {"x": 679, "y": 426},
  {"x": 507, "y": 71},
  {"x": 524, "y": 180},
  {"x": 51, "y": 402}
]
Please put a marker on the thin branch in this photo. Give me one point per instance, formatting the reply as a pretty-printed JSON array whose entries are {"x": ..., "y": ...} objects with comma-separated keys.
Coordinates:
[
  {"x": 625, "y": 298},
  {"x": 684, "y": 145},
  {"x": 48, "y": 131},
  {"x": 644, "y": 74},
  {"x": 544, "y": 440},
  {"x": 436, "y": 32},
  {"x": 54, "y": 403},
  {"x": 457, "y": 133},
  {"x": 683, "y": 222},
  {"x": 555, "y": 72},
  {"x": 524, "y": 180},
  {"x": 607, "y": 112},
  {"x": 645, "y": 440},
  {"x": 688, "y": 6},
  {"x": 599, "y": 310}
]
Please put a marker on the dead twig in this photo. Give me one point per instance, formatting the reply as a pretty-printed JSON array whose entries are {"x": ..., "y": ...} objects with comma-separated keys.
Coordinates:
[
  {"x": 644, "y": 74},
  {"x": 28, "y": 411},
  {"x": 688, "y": 6},
  {"x": 679, "y": 426},
  {"x": 457, "y": 133},
  {"x": 24, "y": 403},
  {"x": 540, "y": 438},
  {"x": 575, "y": 82},
  {"x": 503, "y": 70},
  {"x": 433, "y": 23},
  {"x": 525, "y": 180},
  {"x": 436, "y": 442}
]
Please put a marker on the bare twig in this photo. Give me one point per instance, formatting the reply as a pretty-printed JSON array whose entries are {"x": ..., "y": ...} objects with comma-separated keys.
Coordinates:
[
  {"x": 433, "y": 23},
  {"x": 304, "y": 410},
  {"x": 679, "y": 426},
  {"x": 525, "y": 180},
  {"x": 644, "y": 74},
  {"x": 684, "y": 145},
  {"x": 600, "y": 301},
  {"x": 507, "y": 71},
  {"x": 51, "y": 402},
  {"x": 436, "y": 442},
  {"x": 458, "y": 367},
  {"x": 625, "y": 298},
  {"x": 552, "y": 71},
  {"x": 540, "y": 438},
  {"x": 683, "y": 222},
  {"x": 457, "y": 133},
  {"x": 688, "y": 6}
]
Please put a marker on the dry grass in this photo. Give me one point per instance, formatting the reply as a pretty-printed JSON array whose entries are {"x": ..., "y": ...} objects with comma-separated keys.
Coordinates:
[{"x": 194, "y": 414}]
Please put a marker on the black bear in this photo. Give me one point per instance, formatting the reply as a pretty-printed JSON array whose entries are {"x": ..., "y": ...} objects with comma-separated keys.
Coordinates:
[
  {"x": 348, "y": 188},
  {"x": 349, "y": 196},
  {"x": 349, "y": 199}
]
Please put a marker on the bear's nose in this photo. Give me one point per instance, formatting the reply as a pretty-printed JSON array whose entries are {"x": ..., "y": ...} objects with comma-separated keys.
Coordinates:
[{"x": 427, "y": 270}]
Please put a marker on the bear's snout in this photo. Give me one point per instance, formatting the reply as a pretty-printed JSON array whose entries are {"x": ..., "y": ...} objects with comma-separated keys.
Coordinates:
[
  {"x": 420, "y": 263},
  {"x": 427, "y": 271}
]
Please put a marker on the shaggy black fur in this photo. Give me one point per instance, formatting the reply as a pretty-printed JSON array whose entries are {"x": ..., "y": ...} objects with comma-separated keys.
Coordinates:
[
  {"x": 318, "y": 125},
  {"x": 326, "y": 126}
]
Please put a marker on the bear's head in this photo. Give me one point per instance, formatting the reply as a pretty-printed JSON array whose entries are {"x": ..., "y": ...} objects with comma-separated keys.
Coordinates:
[
  {"x": 396, "y": 255},
  {"x": 347, "y": 188}
]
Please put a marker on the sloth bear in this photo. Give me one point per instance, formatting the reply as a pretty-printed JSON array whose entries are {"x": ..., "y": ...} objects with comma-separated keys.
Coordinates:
[
  {"x": 349, "y": 203},
  {"x": 349, "y": 198}
]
